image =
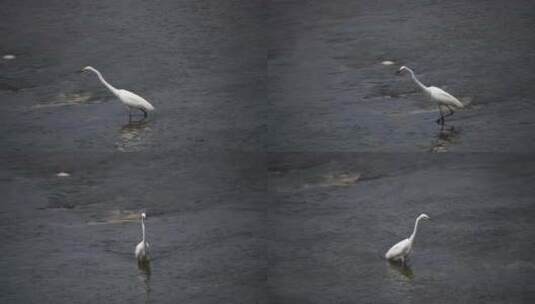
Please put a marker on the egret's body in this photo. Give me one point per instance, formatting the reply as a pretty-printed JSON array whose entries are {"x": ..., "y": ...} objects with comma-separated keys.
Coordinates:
[
  {"x": 441, "y": 97},
  {"x": 401, "y": 250},
  {"x": 142, "y": 249},
  {"x": 128, "y": 98}
]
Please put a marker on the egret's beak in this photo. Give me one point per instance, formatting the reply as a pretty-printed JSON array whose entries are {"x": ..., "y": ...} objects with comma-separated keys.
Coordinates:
[{"x": 398, "y": 72}]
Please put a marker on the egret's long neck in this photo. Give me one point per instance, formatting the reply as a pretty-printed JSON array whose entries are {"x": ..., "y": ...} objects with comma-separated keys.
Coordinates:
[
  {"x": 143, "y": 229},
  {"x": 415, "y": 229},
  {"x": 421, "y": 85},
  {"x": 109, "y": 86}
]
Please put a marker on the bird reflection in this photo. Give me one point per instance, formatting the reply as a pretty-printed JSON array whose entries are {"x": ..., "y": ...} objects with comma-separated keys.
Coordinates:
[
  {"x": 446, "y": 136},
  {"x": 447, "y": 132},
  {"x": 134, "y": 125},
  {"x": 402, "y": 268},
  {"x": 136, "y": 119},
  {"x": 144, "y": 276},
  {"x": 131, "y": 133}
]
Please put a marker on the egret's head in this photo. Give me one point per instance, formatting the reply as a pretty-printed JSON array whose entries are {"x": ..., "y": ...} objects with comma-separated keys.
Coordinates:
[
  {"x": 143, "y": 215},
  {"x": 424, "y": 216},
  {"x": 401, "y": 69},
  {"x": 87, "y": 68}
]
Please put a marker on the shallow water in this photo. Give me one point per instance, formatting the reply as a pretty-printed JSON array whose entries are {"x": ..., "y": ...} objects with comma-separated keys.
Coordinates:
[
  {"x": 329, "y": 91},
  {"x": 323, "y": 86},
  {"x": 327, "y": 243},
  {"x": 253, "y": 169},
  {"x": 72, "y": 239},
  {"x": 186, "y": 57}
]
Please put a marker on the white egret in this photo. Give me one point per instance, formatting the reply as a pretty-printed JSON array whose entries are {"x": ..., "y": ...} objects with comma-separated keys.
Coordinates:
[
  {"x": 401, "y": 250},
  {"x": 128, "y": 98},
  {"x": 142, "y": 249},
  {"x": 441, "y": 97}
]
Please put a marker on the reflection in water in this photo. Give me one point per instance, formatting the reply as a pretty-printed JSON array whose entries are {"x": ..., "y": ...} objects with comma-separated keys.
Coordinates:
[
  {"x": 446, "y": 136},
  {"x": 403, "y": 269},
  {"x": 144, "y": 276},
  {"x": 131, "y": 134}
]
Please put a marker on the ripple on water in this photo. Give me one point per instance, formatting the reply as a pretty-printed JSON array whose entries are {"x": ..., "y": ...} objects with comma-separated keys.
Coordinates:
[
  {"x": 117, "y": 217},
  {"x": 293, "y": 183},
  {"x": 69, "y": 99},
  {"x": 330, "y": 180}
]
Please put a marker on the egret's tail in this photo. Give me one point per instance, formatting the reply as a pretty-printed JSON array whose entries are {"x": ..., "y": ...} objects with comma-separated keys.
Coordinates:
[
  {"x": 148, "y": 107},
  {"x": 458, "y": 104}
]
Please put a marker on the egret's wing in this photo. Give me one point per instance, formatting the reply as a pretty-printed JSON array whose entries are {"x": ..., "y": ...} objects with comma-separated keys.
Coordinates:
[
  {"x": 397, "y": 249},
  {"x": 444, "y": 96},
  {"x": 135, "y": 100}
]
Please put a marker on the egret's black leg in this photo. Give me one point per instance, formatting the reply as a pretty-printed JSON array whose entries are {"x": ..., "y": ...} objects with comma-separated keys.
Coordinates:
[
  {"x": 145, "y": 114},
  {"x": 447, "y": 115},
  {"x": 451, "y": 111},
  {"x": 441, "y": 119}
]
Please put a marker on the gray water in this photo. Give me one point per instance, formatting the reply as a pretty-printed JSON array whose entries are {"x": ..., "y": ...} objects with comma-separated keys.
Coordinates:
[
  {"x": 330, "y": 92},
  {"x": 188, "y": 58},
  {"x": 283, "y": 159},
  {"x": 336, "y": 215}
]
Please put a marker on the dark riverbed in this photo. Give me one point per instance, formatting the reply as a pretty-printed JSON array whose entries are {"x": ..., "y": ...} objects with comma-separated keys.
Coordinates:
[{"x": 253, "y": 169}]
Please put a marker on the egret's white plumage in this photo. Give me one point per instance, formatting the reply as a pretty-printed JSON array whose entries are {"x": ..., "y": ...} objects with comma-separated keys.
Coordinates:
[
  {"x": 401, "y": 250},
  {"x": 128, "y": 98},
  {"x": 441, "y": 97},
  {"x": 142, "y": 249}
]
